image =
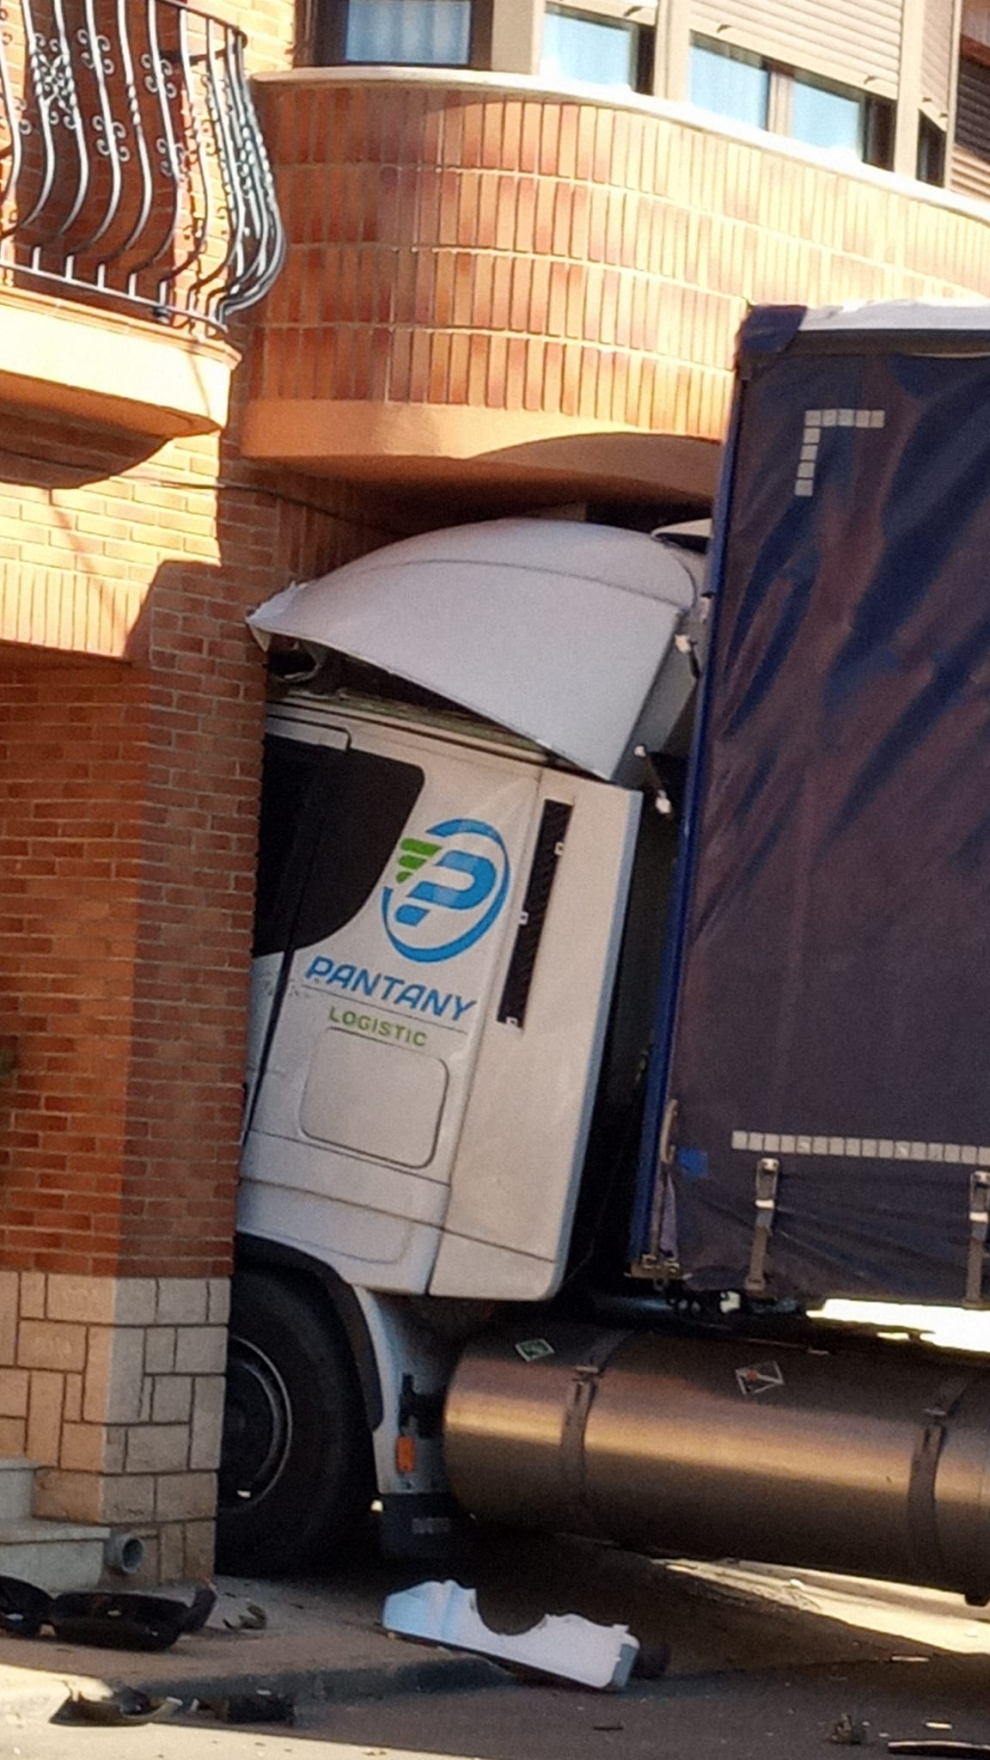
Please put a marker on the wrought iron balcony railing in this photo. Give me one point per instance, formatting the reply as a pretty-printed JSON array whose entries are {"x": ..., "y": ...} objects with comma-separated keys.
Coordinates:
[{"x": 132, "y": 167}]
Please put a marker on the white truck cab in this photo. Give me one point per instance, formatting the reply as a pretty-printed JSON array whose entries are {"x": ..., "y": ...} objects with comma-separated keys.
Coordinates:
[
  {"x": 399, "y": 999},
  {"x": 442, "y": 897}
]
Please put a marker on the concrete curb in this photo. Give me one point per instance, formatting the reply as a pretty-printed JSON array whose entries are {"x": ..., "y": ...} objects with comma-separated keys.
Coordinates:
[
  {"x": 42, "y": 1695},
  {"x": 458, "y": 1674},
  {"x": 28, "y": 1693}
]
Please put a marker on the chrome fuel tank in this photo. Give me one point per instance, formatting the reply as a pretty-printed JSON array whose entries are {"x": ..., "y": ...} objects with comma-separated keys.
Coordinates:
[{"x": 866, "y": 1460}]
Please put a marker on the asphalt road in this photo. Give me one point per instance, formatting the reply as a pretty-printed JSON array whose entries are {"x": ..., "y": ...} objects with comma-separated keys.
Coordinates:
[
  {"x": 763, "y": 1665},
  {"x": 785, "y": 1715}
]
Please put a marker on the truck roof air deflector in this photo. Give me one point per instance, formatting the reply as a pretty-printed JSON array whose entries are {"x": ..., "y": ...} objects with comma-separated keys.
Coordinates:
[{"x": 554, "y": 629}]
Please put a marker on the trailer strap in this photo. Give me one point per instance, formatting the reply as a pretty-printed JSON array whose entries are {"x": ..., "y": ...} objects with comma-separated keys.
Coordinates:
[
  {"x": 922, "y": 1508},
  {"x": 580, "y": 1399},
  {"x": 767, "y": 1181},
  {"x": 979, "y": 1223}
]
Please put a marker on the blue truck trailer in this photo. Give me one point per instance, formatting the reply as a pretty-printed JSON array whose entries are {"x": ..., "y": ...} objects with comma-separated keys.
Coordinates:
[{"x": 622, "y": 995}]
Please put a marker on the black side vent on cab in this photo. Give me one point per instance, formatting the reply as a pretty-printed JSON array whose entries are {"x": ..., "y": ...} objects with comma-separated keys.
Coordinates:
[{"x": 519, "y": 977}]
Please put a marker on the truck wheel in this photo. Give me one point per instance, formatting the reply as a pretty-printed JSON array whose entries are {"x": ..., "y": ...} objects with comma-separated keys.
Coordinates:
[{"x": 296, "y": 1472}]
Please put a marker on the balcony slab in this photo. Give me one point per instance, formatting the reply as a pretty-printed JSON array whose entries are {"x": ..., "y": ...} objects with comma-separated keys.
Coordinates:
[
  {"x": 111, "y": 368},
  {"x": 432, "y": 445}
]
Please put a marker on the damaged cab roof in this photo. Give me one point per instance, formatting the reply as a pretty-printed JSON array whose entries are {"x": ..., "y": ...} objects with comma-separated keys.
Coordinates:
[{"x": 554, "y": 629}]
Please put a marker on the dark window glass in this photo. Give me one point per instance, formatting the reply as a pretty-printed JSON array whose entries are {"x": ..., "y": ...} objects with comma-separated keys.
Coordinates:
[
  {"x": 931, "y": 151},
  {"x": 330, "y": 819},
  {"x": 879, "y": 146},
  {"x": 398, "y": 33},
  {"x": 729, "y": 83},
  {"x": 646, "y": 38},
  {"x": 422, "y": 33}
]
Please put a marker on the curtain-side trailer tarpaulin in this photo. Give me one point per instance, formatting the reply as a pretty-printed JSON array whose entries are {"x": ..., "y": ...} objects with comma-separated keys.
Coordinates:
[{"x": 828, "y": 1020}]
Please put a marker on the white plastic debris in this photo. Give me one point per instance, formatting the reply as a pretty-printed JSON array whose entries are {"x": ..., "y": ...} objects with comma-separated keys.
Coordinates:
[{"x": 565, "y": 1645}]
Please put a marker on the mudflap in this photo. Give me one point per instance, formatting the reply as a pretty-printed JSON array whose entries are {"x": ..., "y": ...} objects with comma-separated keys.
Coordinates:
[{"x": 424, "y": 1525}]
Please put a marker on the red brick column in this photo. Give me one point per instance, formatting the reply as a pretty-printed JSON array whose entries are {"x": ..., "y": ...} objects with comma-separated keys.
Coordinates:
[{"x": 127, "y": 837}]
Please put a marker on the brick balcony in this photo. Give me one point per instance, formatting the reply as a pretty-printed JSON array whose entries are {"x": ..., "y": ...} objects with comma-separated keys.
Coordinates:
[{"x": 489, "y": 280}]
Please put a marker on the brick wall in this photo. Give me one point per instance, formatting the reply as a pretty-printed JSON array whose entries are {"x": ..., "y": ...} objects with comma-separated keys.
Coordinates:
[
  {"x": 114, "y": 1388},
  {"x": 525, "y": 267},
  {"x": 72, "y": 753},
  {"x": 273, "y": 28},
  {"x": 128, "y": 838},
  {"x": 127, "y": 842}
]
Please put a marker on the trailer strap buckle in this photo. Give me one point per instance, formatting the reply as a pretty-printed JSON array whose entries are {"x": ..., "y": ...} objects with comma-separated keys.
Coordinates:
[
  {"x": 580, "y": 1399},
  {"x": 979, "y": 1224},
  {"x": 921, "y": 1500},
  {"x": 767, "y": 1181}
]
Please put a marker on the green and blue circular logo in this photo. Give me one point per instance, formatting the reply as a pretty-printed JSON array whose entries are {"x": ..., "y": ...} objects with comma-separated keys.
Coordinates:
[{"x": 461, "y": 872}]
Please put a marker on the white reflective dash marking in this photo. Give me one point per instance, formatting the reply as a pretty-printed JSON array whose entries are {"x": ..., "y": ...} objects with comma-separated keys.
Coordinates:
[
  {"x": 815, "y": 421},
  {"x": 861, "y": 1148}
]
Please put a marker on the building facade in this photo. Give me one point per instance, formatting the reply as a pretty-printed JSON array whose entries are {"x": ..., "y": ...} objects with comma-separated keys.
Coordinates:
[
  {"x": 501, "y": 274},
  {"x": 515, "y": 243}
]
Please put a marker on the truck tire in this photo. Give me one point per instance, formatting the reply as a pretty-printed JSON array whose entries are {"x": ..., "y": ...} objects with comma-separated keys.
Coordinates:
[{"x": 296, "y": 1471}]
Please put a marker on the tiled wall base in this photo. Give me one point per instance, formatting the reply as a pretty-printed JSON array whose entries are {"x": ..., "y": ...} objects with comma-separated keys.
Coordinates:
[{"x": 114, "y": 1387}]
